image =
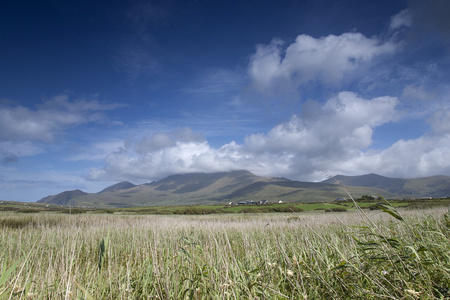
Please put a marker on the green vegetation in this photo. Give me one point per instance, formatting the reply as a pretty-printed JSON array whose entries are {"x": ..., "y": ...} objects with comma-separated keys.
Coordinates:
[
  {"x": 358, "y": 254},
  {"x": 364, "y": 202}
]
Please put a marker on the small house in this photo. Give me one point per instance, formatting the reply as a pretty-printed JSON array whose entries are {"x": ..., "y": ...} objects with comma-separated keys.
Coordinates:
[{"x": 340, "y": 199}]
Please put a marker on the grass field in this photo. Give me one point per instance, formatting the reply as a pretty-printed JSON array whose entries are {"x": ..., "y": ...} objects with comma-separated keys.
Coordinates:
[{"x": 308, "y": 255}]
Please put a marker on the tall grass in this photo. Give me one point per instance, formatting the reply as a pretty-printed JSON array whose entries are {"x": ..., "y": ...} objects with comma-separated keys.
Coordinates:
[{"x": 312, "y": 255}]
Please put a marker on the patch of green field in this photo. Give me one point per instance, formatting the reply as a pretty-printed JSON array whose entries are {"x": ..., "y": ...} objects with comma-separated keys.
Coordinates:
[{"x": 272, "y": 207}]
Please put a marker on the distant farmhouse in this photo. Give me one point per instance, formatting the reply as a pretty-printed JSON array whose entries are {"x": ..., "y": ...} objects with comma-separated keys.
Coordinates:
[{"x": 340, "y": 199}]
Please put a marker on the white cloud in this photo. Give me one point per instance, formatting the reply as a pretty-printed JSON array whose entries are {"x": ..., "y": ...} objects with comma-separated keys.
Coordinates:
[
  {"x": 126, "y": 164},
  {"x": 19, "y": 123},
  {"x": 153, "y": 156},
  {"x": 313, "y": 142},
  {"x": 156, "y": 142},
  {"x": 327, "y": 60},
  {"x": 425, "y": 156},
  {"x": 344, "y": 121},
  {"x": 333, "y": 137},
  {"x": 325, "y": 135},
  {"x": 440, "y": 122}
]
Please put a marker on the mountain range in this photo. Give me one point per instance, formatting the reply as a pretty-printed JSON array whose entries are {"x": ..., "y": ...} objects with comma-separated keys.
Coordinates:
[{"x": 236, "y": 186}]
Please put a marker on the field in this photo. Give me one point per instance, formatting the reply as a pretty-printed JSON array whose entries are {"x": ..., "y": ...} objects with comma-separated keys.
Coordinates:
[{"x": 358, "y": 254}]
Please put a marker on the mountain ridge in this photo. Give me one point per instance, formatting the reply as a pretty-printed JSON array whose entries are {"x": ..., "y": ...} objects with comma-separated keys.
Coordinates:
[
  {"x": 242, "y": 185},
  {"x": 118, "y": 186},
  {"x": 431, "y": 186}
]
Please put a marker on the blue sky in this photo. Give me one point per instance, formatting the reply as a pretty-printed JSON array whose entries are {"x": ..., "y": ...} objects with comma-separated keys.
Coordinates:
[{"x": 96, "y": 92}]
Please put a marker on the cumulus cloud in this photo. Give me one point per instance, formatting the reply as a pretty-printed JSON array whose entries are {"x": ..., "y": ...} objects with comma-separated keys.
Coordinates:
[
  {"x": 425, "y": 156},
  {"x": 323, "y": 135},
  {"x": 334, "y": 136},
  {"x": 156, "y": 142},
  {"x": 153, "y": 156},
  {"x": 327, "y": 60},
  {"x": 310, "y": 143},
  {"x": 126, "y": 164}
]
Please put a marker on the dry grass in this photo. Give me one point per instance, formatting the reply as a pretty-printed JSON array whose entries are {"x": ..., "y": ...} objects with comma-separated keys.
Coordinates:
[{"x": 312, "y": 255}]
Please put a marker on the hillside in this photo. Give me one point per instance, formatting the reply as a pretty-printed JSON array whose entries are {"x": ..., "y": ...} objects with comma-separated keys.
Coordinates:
[
  {"x": 63, "y": 198},
  {"x": 118, "y": 186},
  {"x": 434, "y": 186},
  {"x": 236, "y": 186}
]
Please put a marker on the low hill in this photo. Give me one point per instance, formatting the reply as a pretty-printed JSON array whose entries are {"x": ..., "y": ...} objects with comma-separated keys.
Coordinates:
[
  {"x": 434, "y": 186},
  {"x": 118, "y": 186},
  {"x": 63, "y": 198}
]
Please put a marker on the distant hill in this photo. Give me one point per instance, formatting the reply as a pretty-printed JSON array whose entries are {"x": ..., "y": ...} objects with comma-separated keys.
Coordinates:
[
  {"x": 434, "y": 186},
  {"x": 63, "y": 198},
  {"x": 236, "y": 186},
  {"x": 118, "y": 186}
]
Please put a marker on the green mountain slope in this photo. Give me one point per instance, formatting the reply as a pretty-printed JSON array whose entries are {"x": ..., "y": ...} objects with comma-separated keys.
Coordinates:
[
  {"x": 434, "y": 186},
  {"x": 63, "y": 198},
  {"x": 118, "y": 186},
  {"x": 237, "y": 186}
]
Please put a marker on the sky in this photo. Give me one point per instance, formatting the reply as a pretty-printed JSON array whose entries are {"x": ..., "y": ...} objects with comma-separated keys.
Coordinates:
[{"x": 97, "y": 92}]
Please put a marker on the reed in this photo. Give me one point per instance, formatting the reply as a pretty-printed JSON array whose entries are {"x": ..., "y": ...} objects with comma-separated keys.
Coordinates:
[{"x": 306, "y": 255}]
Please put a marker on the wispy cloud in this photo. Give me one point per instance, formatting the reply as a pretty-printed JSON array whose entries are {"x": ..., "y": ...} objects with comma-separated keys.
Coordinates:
[
  {"x": 16, "y": 184},
  {"x": 43, "y": 124},
  {"x": 7, "y": 157},
  {"x": 216, "y": 82},
  {"x": 96, "y": 151},
  {"x": 138, "y": 53},
  {"x": 402, "y": 19},
  {"x": 25, "y": 130},
  {"x": 136, "y": 61}
]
